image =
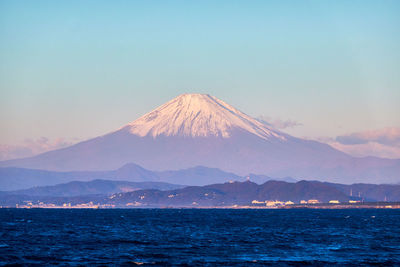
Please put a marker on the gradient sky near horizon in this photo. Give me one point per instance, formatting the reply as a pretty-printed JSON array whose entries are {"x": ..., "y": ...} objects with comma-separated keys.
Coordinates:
[{"x": 79, "y": 69}]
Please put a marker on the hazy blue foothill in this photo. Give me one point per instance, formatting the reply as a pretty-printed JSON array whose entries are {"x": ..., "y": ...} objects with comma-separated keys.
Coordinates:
[
  {"x": 20, "y": 178},
  {"x": 158, "y": 194},
  {"x": 95, "y": 187},
  {"x": 243, "y": 193}
]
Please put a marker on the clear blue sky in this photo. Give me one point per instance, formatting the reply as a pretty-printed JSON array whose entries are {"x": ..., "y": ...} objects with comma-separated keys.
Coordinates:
[{"x": 84, "y": 68}]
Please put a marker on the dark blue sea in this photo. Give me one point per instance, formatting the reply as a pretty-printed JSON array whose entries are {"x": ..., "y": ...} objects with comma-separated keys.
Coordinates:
[{"x": 199, "y": 237}]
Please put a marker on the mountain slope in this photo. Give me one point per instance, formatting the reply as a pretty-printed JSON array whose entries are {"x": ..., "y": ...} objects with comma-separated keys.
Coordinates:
[
  {"x": 19, "y": 178},
  {"x": 237, "y": 193},
  {"x": 381, "y": 192},
  {"x": 99, "y": 187},
  {"x": 12, "y": 178},
  {"x": 194, "y": 129},
  {"x": 198, "y": 175},
  {"x": 243, "y": 193},
  {"x": 227, "y": 194},
  {"x": 197, "y": 115}
]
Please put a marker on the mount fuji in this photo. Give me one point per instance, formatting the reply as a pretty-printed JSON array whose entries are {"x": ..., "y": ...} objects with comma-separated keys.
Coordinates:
[{"x": 197, "y": 129}]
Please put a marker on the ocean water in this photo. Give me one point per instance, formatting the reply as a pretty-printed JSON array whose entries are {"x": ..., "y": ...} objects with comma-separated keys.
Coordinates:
[{"x": 199, "y": 237}]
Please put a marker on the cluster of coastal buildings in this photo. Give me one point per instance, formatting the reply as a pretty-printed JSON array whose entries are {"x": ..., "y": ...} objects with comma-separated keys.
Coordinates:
[
  {"x": 90, "y": 205},
  {"x": 276, "y": 203},
  {"x": 255, "y": 204}
]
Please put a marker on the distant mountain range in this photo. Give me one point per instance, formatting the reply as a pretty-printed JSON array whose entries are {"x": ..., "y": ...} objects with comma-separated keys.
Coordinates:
[
  {"x": 243, "y": 193},
  {"x": 215, "y": 195},
  {"x": 201, "y": 130},
  {"x": 95, "y": 187},
  {"x": 228, "y": 194},
  {"x": 371, "y": 192},
  {"x": 20, "y": 178}
]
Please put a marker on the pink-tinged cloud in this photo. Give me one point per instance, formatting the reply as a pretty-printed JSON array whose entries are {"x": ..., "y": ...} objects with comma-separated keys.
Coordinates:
[
  {"x": 32, "y": 147},
  {"x": 383, "y": 143},
  {"x": 369, "y": 149},
  {"x": 386, "y": 136}
]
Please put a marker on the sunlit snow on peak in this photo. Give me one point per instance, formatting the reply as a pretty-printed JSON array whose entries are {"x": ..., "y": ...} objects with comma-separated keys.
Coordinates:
[{"x": 198, "y": 115}]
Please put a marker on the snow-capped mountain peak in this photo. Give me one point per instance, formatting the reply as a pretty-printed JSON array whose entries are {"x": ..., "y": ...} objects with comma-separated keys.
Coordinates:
[
  {"x": 194, "y": 130},
  {"x": 198, "y": 115}
]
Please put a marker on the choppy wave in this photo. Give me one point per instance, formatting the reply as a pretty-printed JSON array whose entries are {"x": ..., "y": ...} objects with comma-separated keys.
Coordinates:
[{"x": 199, "y": 237}]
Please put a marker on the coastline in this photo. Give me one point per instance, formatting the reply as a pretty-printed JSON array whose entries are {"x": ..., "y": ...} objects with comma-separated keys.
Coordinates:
[{"x": 364, "y": 205}]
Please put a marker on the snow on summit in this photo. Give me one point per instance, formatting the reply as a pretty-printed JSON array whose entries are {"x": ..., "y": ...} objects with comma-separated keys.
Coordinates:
[{"x": 198, "y": 115}]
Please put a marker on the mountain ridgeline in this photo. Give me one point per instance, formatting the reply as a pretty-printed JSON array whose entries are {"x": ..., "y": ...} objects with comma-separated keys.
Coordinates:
[
  {"x": 201, "y": 130},
  {"x": 127, "y": 194},
  {"x": 19, "y": 178},
  {"x": 243, "y": 193},
  {"x": 95, "y": 187}
]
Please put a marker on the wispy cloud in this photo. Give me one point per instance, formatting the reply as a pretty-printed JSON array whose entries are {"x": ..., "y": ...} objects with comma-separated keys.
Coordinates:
[
  {"x": 31, "y": 147},
  {"x": 369, "y": 149},
  {"x": 278, "y": 123},
  {"x": 385, "y": 136},
  {"x": 380, "y": 143}
]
